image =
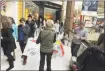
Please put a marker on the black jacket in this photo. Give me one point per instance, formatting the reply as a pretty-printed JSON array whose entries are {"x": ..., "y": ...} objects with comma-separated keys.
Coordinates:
[
  {"x": 8, "y": 41},
  {"x": 92, "y": 59},
  {"x": 32, "y": 28}
]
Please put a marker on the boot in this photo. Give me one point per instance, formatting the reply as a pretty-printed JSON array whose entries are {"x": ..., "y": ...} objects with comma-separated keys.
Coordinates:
[
  {"x": 11, "y": 65},
  {"x": 24, "y": 60}
]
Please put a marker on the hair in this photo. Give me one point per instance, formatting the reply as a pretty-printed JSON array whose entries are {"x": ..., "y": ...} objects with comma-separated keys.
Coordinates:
[
  {"x": 49, "y": 23},
  {"x": 22, "y": 19},
  {"x": 13, "y": 22},
  {"x": 5, "y": 22},
  {"x": 30, "y": 15}
]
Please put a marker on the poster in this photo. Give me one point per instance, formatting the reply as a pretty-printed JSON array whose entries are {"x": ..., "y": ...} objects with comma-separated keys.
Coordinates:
[{"x": 89, "y": 7}]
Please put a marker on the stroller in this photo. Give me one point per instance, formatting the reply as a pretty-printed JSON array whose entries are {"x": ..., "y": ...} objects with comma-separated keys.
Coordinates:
[{"x": 90, "y": 59}]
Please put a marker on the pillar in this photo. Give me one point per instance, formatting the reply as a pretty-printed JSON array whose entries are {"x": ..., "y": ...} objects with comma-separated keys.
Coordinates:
[
  {"x": 62, "y": 11},
  {"x": 41, "y": 10},
  {"x": 58, "y": 14},
  {"x": 69, "y": 16}
]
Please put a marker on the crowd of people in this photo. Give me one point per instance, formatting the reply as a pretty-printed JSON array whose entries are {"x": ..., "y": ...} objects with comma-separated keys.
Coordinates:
[
  {"x": 46, "y": 31},
  {"x": 12, "y": 32}
]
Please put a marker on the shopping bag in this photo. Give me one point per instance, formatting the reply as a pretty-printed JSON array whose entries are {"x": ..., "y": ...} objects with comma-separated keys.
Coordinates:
[
  {"x": 58, "y": 49},
  {"x": 31, "y": 48}
]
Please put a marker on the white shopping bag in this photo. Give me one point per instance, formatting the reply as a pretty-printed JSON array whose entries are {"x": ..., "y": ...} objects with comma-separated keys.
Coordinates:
[
  {"x": 31, "y": 48},
  {"x": 58, "y": 49}
]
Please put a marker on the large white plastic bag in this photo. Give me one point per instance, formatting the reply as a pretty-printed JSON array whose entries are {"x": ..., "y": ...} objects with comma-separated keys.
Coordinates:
[
  {"x": 58, "y": 49},
  {"x": 31, "y": 48}
]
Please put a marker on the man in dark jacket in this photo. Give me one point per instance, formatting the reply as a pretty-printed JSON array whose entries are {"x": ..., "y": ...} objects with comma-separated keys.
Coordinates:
[{"x": 31, "y": 25}]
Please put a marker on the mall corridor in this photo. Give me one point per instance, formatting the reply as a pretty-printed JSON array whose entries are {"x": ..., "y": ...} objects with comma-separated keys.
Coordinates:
[{"x": 52, "y": 35}]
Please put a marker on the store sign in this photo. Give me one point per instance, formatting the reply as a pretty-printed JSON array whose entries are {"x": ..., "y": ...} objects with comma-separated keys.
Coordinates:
[{"x": 89, "y": 7}]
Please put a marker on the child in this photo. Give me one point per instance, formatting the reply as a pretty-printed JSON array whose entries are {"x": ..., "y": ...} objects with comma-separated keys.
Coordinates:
[{"x": 23, "y": 32}]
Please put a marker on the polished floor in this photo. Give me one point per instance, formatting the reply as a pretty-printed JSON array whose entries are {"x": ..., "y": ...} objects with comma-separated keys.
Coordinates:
[{"x": 58, "y": 62}]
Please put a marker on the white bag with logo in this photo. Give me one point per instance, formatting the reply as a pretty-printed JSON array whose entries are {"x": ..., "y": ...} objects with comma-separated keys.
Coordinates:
[{"x": 31, "y": 48}]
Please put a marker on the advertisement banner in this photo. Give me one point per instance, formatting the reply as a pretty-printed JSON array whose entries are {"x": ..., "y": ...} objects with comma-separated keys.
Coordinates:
[{"x": 89, "y": 7}]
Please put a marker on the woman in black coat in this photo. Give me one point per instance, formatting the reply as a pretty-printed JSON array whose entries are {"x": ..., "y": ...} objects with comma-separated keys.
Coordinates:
[{"x": 7, "y": 41}]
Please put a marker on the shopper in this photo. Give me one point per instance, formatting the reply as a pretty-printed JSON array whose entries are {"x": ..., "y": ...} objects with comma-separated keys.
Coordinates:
[
  {"x": 23, "y": 32},
  {"x": 7, "y": 41},
  {"x": 46, "y": 38},
  {"x": 15, "y": 28},
  {"x": 35, "y": 25},
  {"x": 81, "y": 34},
  {"x": 31, "y": 25},
  {"x": 57, "y": 27},
  {"x": 61, "y": 29}
]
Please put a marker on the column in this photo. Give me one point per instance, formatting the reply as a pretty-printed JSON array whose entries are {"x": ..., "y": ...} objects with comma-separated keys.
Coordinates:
[
  {"x": 58, "y": 14},
  {"x": 62, "y": 12},
  {"x": 41, "y": 10},
  {"x": 69, "y": 16}
]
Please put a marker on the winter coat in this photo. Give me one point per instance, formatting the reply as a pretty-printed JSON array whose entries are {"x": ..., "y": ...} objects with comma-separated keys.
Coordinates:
[
  {"x": 46, "y": 38},
  {"x": 8, "y": 41},
  {"x": 32, "y": 28},
  {"x": 25, "y": 30},
  {"x": 15, "y": 33}
]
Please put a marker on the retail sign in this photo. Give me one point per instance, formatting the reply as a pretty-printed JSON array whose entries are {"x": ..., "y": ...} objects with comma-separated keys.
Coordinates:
[{"x": 89, "y": 7}]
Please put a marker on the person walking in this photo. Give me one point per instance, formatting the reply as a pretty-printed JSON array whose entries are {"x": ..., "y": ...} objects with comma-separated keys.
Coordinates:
[
  {"x": 23, "y": 32},
  {"x": 61, "y": 29},
  {"x": 7, "y": 41},
  {"x": 57, "y": 26},
  {"x": 36, "y": 26},
  {"x": 31, "y": 24},
  {"x": 15, "y": 28},
  {"x": 81, "y": 34},
  {"x": 46, "y": 38}
]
